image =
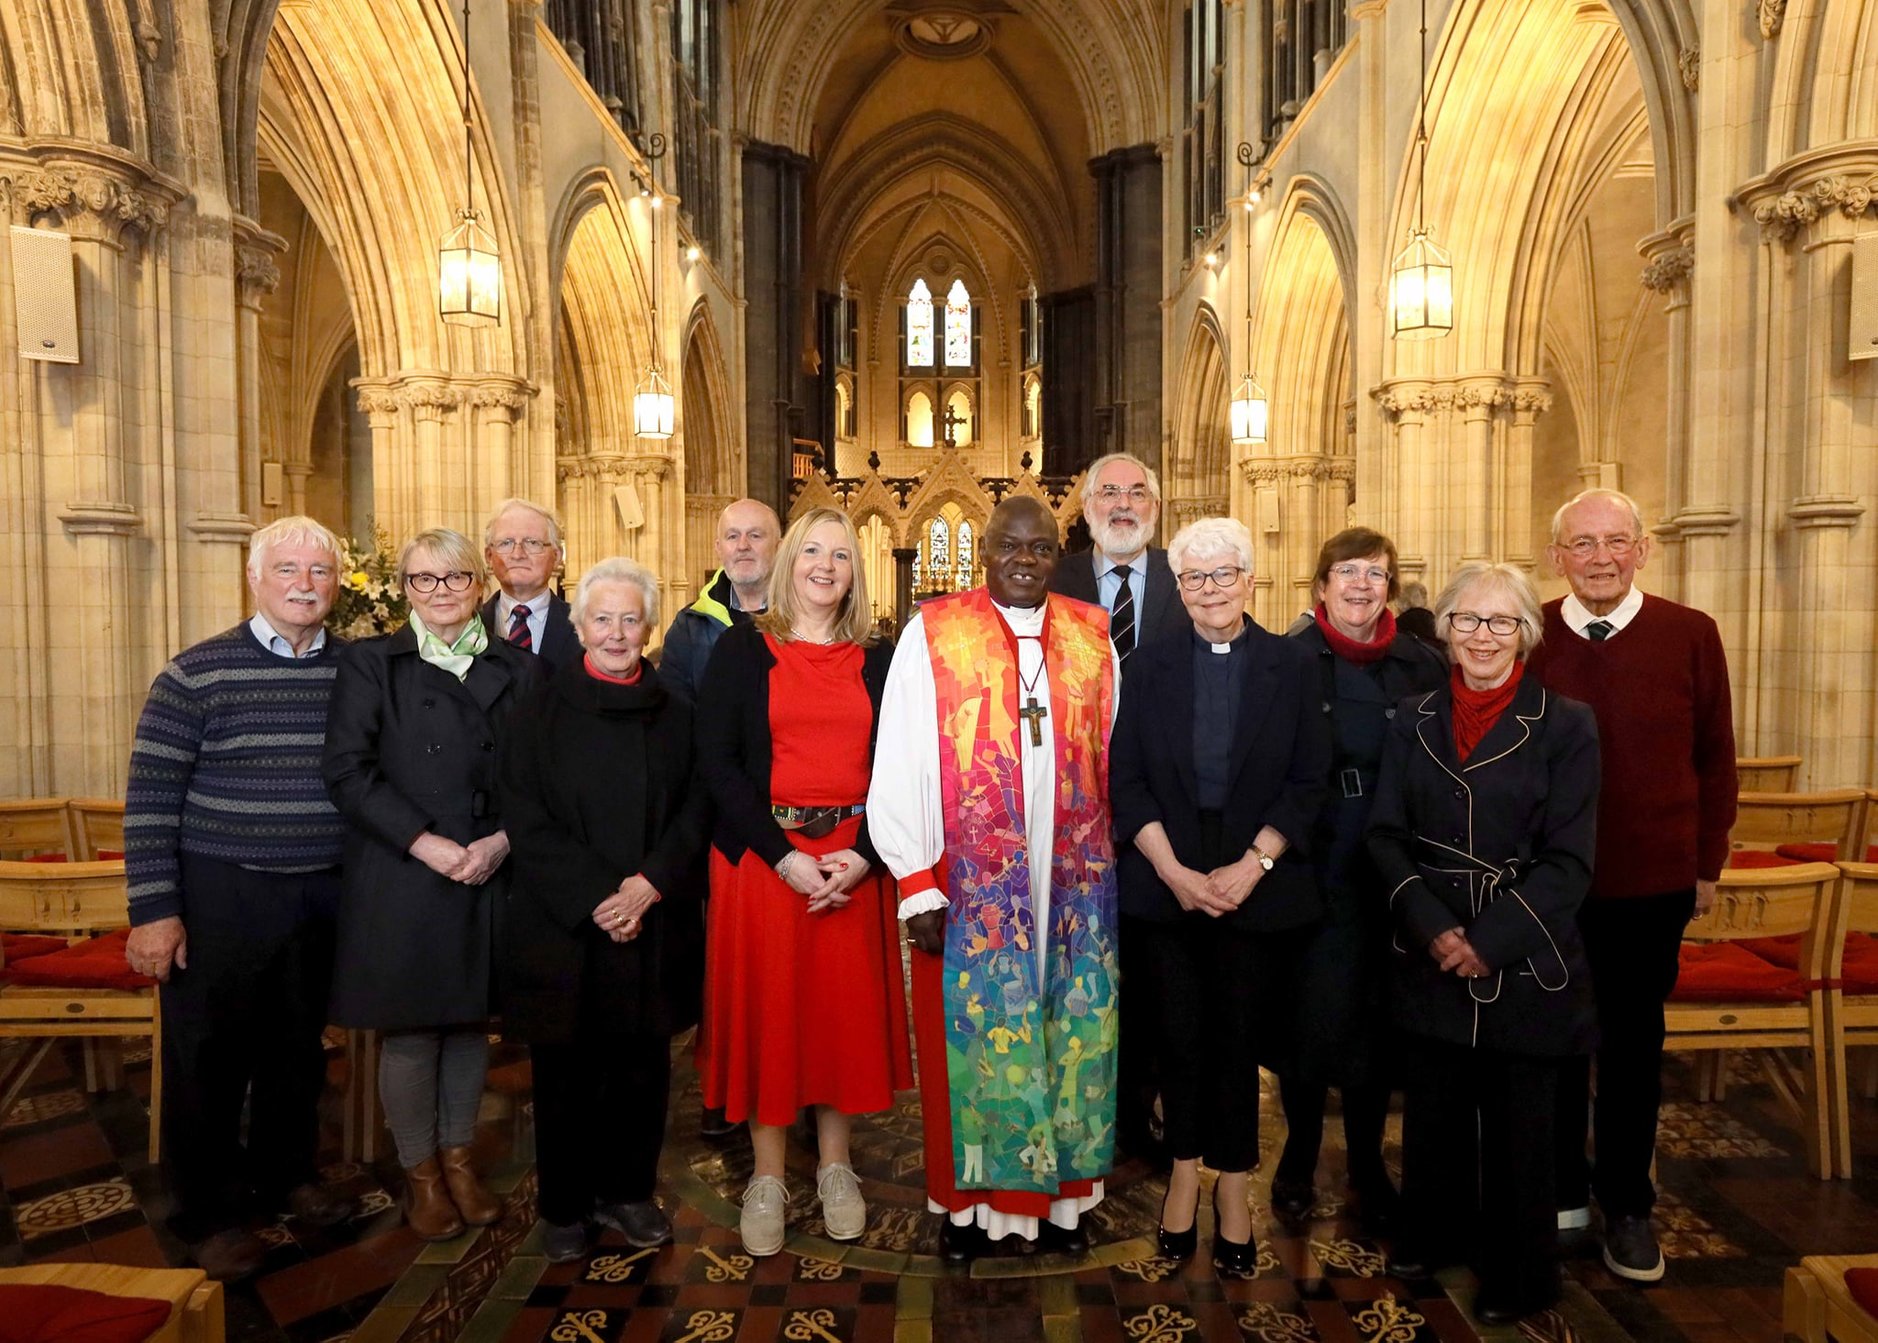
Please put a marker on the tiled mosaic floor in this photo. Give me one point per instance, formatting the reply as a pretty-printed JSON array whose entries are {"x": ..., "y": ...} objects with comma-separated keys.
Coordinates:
[{"x": 1737, "y": 1209}]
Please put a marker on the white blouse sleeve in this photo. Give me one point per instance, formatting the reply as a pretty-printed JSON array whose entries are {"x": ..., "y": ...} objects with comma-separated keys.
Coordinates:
[{"x": 904, "y": 819}]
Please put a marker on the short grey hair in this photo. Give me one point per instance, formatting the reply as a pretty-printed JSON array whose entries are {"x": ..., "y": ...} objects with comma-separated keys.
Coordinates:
[
  {"x": 617, "y": 569},
  {"x": 1508, "y": 578},
  {"x": 448, "y": 545},
  {"x": 1208, "y": 537},
  {"x": 547, "y": 515},
  {"x": 294, "y": 530},
  {"x": 1096, "y": 467},
  {"x": 1585, "y": 496}
]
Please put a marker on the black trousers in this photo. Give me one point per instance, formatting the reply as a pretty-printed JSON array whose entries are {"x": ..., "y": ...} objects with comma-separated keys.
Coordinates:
[
  {"x": 243, "y": 1022},
  {"x": 1632, "y": 946},
  {"x": 1137, "y": 1080},
  {"x": 1477, "y": 1175},
  {"x": 600, "y": 1102}
]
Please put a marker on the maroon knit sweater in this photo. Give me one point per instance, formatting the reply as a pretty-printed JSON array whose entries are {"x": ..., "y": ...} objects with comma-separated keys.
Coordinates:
[{"x": 1666, "y": 736}]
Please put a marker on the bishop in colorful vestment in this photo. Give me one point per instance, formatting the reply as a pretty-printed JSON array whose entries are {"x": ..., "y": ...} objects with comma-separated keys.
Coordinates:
[{"x": 990, "y": 806}]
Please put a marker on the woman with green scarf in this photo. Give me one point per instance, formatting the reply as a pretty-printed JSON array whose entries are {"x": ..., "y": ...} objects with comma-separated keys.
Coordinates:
[{"x": 411, "y": 744}]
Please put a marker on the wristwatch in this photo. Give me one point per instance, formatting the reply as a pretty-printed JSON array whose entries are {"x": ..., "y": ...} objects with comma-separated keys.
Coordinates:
[{"x": 1265, "y": 859}]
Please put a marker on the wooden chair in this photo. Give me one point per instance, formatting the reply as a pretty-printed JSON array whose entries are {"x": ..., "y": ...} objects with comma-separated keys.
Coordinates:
[
  {"x": 1765, "y": 821},
  {"x": 37, "y": 825},
  {"x": 79, "y": 901},
  {"x": 1766, "y": 773},
  {"x": 1818, "y": 1306},
  {"x": 1851, "y": 996},
  {"x": 1764, "y": 904},
  {"x": 97, "y": 824},
  {"x": 196, "y": 1309}
]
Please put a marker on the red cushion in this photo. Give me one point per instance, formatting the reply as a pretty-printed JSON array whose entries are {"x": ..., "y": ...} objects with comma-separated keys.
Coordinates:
[
  {"x": 1862, "y": 1283},
  {"x": 1719, "y": 972},
  {"x": 1860, "y": 974},
  {"x": 59, "y": 858},
  {"x": 97, "y": 963},
  {"x": 19, "y": 946},
  {"x": 51, "y": 1313},
  {"x": 1820, "y": 853},
  {"x": 1742, "y": 859}
]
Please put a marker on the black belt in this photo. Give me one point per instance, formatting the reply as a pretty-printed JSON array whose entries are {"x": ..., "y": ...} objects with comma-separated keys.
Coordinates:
[{"x": 813, "y": 822}]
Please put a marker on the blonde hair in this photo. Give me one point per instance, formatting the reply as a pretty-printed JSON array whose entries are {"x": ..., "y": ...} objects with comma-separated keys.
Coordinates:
[
  {"x": 295, "y": 530},
  {"x": 452, "y": 547},
  {"x": 1507, "y": 578},
  {"x": 854, "y": 621}
]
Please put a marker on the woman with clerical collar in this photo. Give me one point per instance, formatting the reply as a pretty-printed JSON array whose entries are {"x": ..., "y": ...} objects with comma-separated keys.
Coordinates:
[
  {"x": 1216, "y": 774},
  {"x": 1365, "y": 665}
]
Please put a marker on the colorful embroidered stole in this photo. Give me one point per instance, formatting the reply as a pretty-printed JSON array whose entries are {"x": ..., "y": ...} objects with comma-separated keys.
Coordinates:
[{"x": 1031, "y": 1067}]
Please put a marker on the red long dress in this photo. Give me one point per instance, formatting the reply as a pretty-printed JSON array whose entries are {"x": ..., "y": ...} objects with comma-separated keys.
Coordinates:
[{"x": 799, "y": 1008}]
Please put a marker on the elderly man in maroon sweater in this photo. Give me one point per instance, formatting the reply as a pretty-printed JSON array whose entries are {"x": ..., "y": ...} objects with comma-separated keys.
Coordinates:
[{"x": 1655, "y": 675}]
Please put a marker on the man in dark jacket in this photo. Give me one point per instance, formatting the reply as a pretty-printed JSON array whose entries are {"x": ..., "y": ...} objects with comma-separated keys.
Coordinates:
[
  {"x": 748, "y": 533},
  {"x": 522, "y": 545}
]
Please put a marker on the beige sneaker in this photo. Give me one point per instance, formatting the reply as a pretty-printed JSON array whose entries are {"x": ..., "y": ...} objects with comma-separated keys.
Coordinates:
[
  {"x": 761, "y": 1225},
  {"x": 844, "y": 1211}
]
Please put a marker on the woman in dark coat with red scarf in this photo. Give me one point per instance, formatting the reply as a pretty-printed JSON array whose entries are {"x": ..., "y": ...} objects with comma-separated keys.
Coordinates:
[
  {"x": 1484, "y": 830},
  {"x": 603, "y": 955}
]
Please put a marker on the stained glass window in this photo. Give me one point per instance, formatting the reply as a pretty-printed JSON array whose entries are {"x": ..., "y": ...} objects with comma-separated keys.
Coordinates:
[
  {"x": 938, "y": 550},
  {"x": 919, "y": 326},
  {"x": 958, "y": 327},
  {"x": 966, "y": 557}
]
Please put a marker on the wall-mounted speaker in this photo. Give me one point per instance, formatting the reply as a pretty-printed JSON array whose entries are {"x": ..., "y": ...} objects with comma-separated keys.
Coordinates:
[
  {"x": 1862, "y": 333},
  {"x": 626, "y": 503},
  {"x": 45, "y": 295}
]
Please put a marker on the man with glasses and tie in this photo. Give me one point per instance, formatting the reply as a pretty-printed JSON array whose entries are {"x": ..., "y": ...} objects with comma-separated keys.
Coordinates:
[
  {"x": 522, "y": 544},
  {"x": 1655, "y": 675}
]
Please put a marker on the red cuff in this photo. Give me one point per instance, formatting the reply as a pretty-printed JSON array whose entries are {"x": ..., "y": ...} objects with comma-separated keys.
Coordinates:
[{"x": 919, "y": 883}]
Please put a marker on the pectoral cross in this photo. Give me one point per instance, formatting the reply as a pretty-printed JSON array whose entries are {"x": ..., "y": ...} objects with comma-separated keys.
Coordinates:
[{"x": 1033, "y": 713}]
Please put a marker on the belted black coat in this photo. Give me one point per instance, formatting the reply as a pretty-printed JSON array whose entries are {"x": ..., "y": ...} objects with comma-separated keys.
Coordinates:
[
  {"x": 1500, "y": 847},
  {"x": 409, "y": 748}
]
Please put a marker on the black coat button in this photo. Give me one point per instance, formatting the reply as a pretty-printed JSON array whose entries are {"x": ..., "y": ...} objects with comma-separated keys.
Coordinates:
[
  {"x": 1460, "y": 792},
  {"x": 489, "y": 746},
  {"x": 434, "y": 748},
  {"x": 430, "y": 704}
]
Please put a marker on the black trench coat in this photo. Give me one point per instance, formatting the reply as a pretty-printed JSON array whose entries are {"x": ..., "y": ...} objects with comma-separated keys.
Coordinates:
[
  {"x": 409, "y": 748},
  {"x": 598, "y": 783},
  {"x": 1502, "y": 848}
]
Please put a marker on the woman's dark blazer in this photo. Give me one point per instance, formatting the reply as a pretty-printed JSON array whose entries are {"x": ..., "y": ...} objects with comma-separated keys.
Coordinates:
[
  {"x": 1501, "y": 847},
  {"x": 409, "y": 748},
  {"x": 598, "y": 783},
  {"x": 734, "y": 742},
  {"x": 1276, "y": 775}
]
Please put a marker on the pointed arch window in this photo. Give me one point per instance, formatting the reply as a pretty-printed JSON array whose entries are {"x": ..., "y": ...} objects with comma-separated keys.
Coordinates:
[
  {"x": 938, "y": 549},
  {"x": 919, "y": 326},
  {"x": 958, "y": 326},
  {"x": 967, "y": 557},
  {"x": 919, "y": 420}
]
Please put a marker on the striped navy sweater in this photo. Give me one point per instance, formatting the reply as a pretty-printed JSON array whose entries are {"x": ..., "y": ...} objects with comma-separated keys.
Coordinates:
[{"x": 226, "y": 765}]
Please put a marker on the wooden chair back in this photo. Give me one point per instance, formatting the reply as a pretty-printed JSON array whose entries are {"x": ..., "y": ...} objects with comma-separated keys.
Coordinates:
[
  {"x": 97, "y": 823},
  {"x": 1766, "y": 773},
  {"x": 35, "y": 825},
  {"x": 1767, "y": 820},
  {"x": 1852, "y": 1016}
]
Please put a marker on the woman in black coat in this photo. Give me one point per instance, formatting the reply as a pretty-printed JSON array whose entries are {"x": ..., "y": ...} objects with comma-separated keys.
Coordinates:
[
  {"x": 603, "y": 950},
  {"x": 1363, "y": 667},
  {"x": 1216, "y": 773},
  {"x": 1484, "y": 830},
  {"x": 410, "y": 761}
]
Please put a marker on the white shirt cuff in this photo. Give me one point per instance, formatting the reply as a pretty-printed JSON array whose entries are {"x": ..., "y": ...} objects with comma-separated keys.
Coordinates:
[{"x": 923, "y": 903}]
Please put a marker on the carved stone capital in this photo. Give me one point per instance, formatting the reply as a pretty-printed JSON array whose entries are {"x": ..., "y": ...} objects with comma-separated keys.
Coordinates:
[
  {"x": 1481, "y": 398},
  {"x": 256, "y": 275},
  {"x": 378, "y": 402},
  {"x": 1771, "y": 14},
  {"x": 506, "y": 399},
  {"x": 1531, "y": 401},
  {"x": 1783, "y": 216},
  {"x": 1669, "y": 269},
  {"x": 1689, "y": 65}
]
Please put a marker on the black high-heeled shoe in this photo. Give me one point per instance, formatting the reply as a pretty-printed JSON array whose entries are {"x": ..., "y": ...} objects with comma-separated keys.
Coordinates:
[
  {"x": 1176, "y": 1244},
  {"x": 1238, "y": 1257}
]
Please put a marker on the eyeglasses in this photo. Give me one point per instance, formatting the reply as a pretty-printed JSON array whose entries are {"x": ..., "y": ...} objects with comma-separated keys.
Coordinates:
[
  {"x": 1466, "y": 622},
  {"x": 1114, "y": 494},
  {"x": 1584, "y": 547},
  {"x": 1357, "y": 573},
  {"x": 457, "y": 580},
  {"x": 1195, "y": 579},
  {"x": 528, "y": 545}
]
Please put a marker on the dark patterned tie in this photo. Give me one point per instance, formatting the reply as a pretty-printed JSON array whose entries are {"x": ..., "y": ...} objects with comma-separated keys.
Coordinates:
[
  {"x": 518, "y": 629},
  {"x": 1599, "y": 630},
  {"x": 1122, "y": 615}
]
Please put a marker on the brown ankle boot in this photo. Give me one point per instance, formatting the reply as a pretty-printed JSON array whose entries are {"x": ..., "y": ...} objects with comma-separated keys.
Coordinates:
[
  {"x": 478, "y": 1206},
  {"x": 427, "y": 1205}
]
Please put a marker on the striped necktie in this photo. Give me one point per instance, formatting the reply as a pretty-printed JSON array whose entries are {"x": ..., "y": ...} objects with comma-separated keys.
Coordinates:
[
  {"x": 1599, "y": 630},
  {"x": 518, "y": 629},
  {"x": 1122, "y": 615}
]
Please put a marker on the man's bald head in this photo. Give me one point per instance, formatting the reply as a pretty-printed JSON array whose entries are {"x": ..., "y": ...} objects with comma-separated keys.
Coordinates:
[
  {"x": 747, "y": 535},
  {"x": 1020, "y": 551}
]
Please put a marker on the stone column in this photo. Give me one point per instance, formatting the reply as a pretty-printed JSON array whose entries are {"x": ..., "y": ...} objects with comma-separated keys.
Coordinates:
[
  {"x": 499, "y": 471},
  {"x": 1477, "y": 399},
  {"x": 1671, "y": 258},
  {"x": 433, "y": 495},
  {"x": 256, "y": 276},
  {"x": 1531, "y": 398},
  {"x": 383, "y": 411},
  {"x": 1407, "y": 405}
]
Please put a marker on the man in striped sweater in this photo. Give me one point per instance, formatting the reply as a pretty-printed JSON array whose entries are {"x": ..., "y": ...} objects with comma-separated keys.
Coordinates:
[{"x": 232, "y": 848}]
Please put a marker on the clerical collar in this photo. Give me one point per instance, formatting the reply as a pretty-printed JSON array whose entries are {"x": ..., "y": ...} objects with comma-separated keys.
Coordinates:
[
  {"x": 1230, "y": 644},
  {"x": 1023, "y": 620}
]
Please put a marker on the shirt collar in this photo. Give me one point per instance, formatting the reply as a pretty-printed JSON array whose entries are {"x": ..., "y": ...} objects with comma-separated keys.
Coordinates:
[
  {"x": 1577, "y": 616},
  {"x": 1103, "y": 564},
  {"x": 505, "y": 605},
  {"x": 277, "y": 643}
]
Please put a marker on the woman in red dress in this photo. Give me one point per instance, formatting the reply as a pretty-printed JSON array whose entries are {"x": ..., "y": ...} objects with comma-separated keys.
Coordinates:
[{"x": 804, "y": 1000}]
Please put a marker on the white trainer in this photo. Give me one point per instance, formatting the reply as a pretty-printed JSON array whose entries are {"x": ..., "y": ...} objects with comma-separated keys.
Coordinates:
[
  {"x": 844, "y": 1211},
  {"x": 761, "y": 1224}
]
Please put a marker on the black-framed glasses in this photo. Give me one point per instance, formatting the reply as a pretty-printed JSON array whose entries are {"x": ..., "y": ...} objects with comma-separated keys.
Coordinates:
[
  {"x": 1584, "y": 547},
  {"x": 528, "y": 545},
  {"x": 1195, "y": 579},
  {"x": 457, "y": 580},
  {"x": 1466, "y": 622}
]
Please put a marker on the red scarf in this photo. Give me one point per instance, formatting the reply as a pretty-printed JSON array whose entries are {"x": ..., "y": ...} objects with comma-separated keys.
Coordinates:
[
  {"x": 608, "y": 677},
  {"x": 1349, "y": 649},
  {"x": 1476, "y": 711}
]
